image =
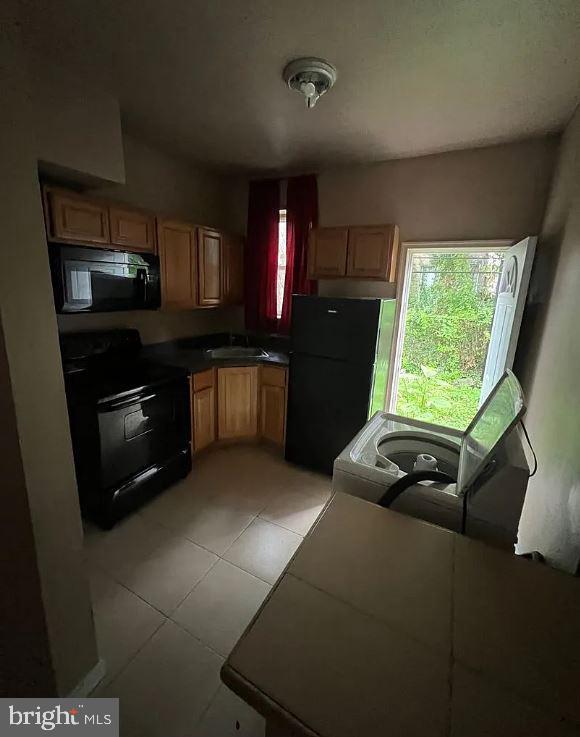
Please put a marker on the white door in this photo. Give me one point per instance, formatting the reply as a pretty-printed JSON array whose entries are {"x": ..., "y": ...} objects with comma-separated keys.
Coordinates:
[{"x": 507, "y": 318}]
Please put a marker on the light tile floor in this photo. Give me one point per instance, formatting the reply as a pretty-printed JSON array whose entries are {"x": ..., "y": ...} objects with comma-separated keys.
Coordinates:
[{"x": 176, "y": 584}]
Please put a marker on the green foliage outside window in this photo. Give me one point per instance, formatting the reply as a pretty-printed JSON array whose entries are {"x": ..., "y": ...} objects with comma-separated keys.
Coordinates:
[{"x": 449, "y": 317}]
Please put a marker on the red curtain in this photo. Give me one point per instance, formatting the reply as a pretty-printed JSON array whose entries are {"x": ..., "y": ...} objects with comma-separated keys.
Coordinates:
[
  {"x": 301, "y": 217},
  {"x": 261, "y": 259}
]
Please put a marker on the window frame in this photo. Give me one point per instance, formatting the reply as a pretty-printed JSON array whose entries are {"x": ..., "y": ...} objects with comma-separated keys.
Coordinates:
[{"x": 402, "y": 297}]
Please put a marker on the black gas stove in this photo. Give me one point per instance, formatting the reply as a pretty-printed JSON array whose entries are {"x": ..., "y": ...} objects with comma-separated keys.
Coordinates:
[{"x": 129, "y": 419}]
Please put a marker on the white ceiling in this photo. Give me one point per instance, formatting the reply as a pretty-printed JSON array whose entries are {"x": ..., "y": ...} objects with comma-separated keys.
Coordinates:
[{"x": 203, "y": 78}]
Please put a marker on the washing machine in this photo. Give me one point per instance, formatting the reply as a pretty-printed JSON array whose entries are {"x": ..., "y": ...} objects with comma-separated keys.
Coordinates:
[{"x": 482, "y": 472}]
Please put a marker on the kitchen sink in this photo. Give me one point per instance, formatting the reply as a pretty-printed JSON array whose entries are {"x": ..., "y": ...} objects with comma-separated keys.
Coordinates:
[{"x": 235, "y": 351}]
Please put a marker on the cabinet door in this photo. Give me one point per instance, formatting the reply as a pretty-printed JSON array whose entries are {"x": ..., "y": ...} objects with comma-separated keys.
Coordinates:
[
  {"x": 209, "y": 266},
  {"x": 273, "y": 403},
  {"x": 233, "y": 270},
  {"x": 327, "y": 253},
  {"x": 132, "y": 229},
  {"x": 372, "y": 252},
  {"x": 237, "y": 402},
  {"x": 74, "y": 218},
  {"x": 177, "y": 251},
  {"x": 273, "y": 413},
  {"x": 203, "y": 418}
]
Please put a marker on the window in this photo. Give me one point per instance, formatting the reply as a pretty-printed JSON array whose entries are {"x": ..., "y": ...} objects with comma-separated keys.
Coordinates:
[
  {"x": 447, "y": 309},
  {"x": 281, "y": 274}
]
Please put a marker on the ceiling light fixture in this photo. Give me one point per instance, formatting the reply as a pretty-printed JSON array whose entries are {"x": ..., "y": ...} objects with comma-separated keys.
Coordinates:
[{"x": 310, "y": 76}]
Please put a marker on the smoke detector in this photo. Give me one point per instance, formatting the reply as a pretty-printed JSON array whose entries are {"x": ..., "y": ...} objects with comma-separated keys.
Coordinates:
[{"x": 310, "y": 76}]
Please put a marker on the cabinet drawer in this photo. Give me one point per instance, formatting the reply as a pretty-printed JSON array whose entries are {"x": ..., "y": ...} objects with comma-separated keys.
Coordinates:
[
  {"x": 203, "y": 380},
  {"x": 132, "y": 229},
  {"x": 273, "y": 376}
]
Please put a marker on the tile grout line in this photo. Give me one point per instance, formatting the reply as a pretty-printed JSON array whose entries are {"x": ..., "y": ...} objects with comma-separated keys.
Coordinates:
[
  {"x": 177, "y": 535},
  {"x": 132, "y": 657},
  {"x": 277, "y": 524},
  {"x": 192, "y": 589},
  {"x": 199, "y": 640},
  {"x": 238, "y": 537},
  {"x": 387, "y": 624}
]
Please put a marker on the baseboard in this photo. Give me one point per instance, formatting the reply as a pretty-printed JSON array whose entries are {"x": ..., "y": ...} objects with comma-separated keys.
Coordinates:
[{"x": 90, "y": 681}]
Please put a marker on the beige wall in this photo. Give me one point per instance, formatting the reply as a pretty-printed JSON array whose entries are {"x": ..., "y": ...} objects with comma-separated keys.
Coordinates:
[
  {"x": 172, "y": 187},
  {"x": 165, "y": 185},
  {"x": 158, "y": 326},
  {"x": 26, "y": 659},
  {"x": 31, "y": 343},
  {"x": 75, "y": 131},
  {"x": 549, "y": 354},
  {"x": 486, "y": 193},
  {"x": 78, "y": 127}
]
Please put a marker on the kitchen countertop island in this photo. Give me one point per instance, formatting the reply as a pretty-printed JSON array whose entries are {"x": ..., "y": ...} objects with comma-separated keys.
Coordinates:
[{"x": 386, "y": 625}]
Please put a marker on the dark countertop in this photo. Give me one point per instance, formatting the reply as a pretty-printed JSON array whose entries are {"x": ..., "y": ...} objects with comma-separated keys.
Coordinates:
[
  {"x": 191, "y": 353},
  {"x": 197, "y": 360}
]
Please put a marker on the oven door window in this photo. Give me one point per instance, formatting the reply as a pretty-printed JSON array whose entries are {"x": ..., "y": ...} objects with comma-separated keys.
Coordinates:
[
  {"x": 139, "y": 432},
  {"x": 151, "y": 416}
]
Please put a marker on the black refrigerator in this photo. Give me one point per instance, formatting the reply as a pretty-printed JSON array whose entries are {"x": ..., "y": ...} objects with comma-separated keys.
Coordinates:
[{"x": 339, "y": 357}]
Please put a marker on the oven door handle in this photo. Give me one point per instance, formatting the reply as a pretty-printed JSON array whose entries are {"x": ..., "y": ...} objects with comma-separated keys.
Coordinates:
[{"x": 112, "y": 406}]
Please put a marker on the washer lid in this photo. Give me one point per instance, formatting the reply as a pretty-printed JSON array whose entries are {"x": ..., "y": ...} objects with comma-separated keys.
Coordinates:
[{"x": 497, "y": 416}]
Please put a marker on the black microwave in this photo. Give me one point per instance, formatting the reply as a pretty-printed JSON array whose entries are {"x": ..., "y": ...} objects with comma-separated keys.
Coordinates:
[{"x": 86, "y": 279}]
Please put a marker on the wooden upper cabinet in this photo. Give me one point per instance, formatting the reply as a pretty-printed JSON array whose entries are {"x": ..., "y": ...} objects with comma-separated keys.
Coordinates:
[
  {"x": 327, "y": 251},
  {"x": 177, "y": 245},
  {"x": 237, "y": 402},
  {"x": 363, "y": 252},
  {"x": 132, "y": 229},
  {"x": 71, "y": 218},
  {"x": 209, "y": 267},
  {"x": 372, "y": 252},
  {"x": 233, "y": 270}
]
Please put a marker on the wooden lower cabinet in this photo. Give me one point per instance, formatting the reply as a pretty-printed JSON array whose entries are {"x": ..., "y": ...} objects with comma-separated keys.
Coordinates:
[
  {"x": 203, "y": 410},
  {"x": 273, "y": 413},
  {"x": 240, "y": 402},
  {"x": 237, "y": 402},
  {"x": 273, "y": 381}
]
